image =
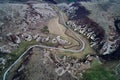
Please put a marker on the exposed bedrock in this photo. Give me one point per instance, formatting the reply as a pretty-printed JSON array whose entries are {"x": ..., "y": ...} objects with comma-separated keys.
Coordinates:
[{"x": 115, "y": 55}]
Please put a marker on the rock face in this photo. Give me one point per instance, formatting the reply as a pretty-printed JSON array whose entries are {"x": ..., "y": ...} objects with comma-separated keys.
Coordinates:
[
  {"x": 115, "y": 54},
  {"x": 117, "y": 24},
  {"x": 74, "y": 11},
  {"x": 112, "y": 43}
]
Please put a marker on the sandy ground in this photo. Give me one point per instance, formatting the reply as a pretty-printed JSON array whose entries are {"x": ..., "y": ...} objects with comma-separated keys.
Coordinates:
[{"x": 55, "y": 27}]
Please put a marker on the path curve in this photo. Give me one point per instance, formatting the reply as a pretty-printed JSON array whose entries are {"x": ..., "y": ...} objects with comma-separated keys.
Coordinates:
[{"x": 43, "y": 46}]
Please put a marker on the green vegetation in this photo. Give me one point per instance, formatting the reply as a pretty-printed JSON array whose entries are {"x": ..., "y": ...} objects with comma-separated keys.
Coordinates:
[
  {"x": 45, "y": 30},
  {"x": 49, "y": 44},
  {"x": 95, "y": 63},
  {"x": 98, "y": 72},
  {"x": 22, "y": 47},
  {"x": 16, "y": 53}
]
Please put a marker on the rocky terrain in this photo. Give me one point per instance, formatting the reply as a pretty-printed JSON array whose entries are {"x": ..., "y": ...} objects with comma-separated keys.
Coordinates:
[
  {"x": 59, "y": 39},
  {"x": 104, "y": 39}
]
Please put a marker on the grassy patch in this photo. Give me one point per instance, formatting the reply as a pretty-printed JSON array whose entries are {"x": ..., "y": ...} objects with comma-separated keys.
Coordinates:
[
  {"x": 98, "y": 72},
  {"x": 49, "y": 44},
  {"x": 16, "y": 53},
  {"x": 45, "y": 30},
  {"x": 23, "y": 47}
]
